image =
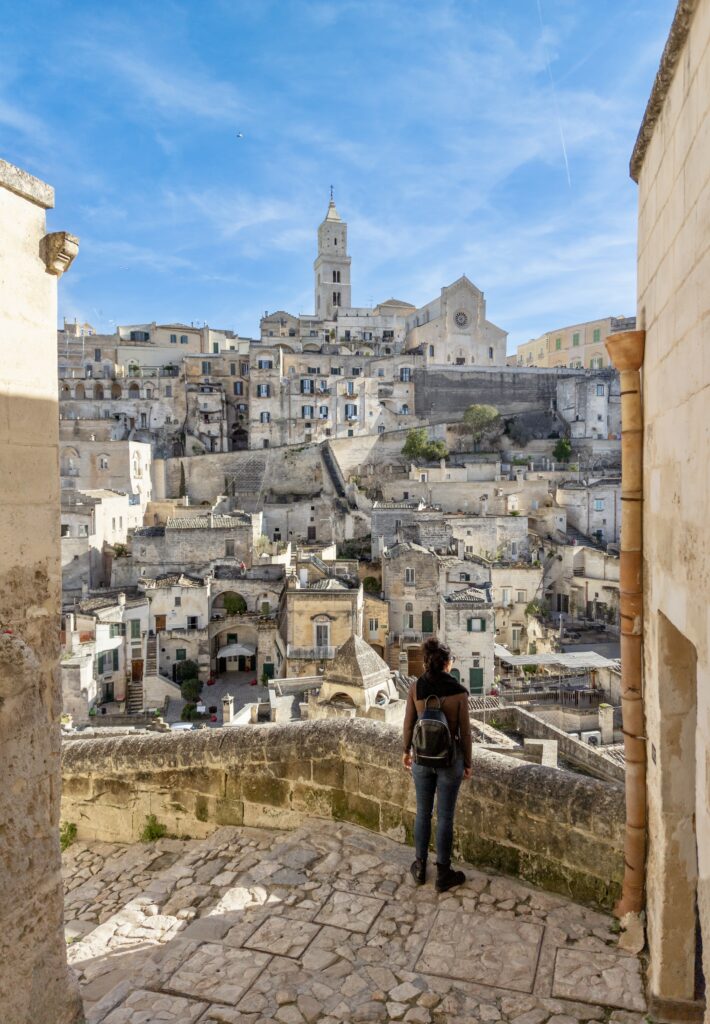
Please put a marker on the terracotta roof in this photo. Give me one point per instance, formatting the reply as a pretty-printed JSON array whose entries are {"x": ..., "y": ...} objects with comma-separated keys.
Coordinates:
[
  {"x": 470, "y": 595},
  {"x": 172, "y": 579},
  {"x": 208, "y": 521}
]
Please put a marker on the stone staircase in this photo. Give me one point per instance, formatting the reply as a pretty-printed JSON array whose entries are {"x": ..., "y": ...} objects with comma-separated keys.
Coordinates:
[
  {"x": 134, "y": 697},
  {"x": 151, "y": 656},
  {"x": 334, "y": 472}
]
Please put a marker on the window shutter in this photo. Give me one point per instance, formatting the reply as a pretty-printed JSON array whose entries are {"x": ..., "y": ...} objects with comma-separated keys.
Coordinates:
[
  {"x": 469, "y": 624},
  {"x": 115, "y": 658},
  {"x": 483, "y": 625}
]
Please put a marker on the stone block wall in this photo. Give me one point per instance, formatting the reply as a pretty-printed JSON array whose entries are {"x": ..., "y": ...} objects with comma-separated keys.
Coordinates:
[
  {"x": 556, "y": 830},
  {"x": 35, "y": 984},
  {"x": 671, "y": 164}
]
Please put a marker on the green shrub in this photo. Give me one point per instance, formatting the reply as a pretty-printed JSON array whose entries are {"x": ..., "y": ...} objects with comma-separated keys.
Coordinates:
[
  {"x": 153, "y": 830},
  {"x": 67, "y": 834},
  {"x": 190, "y": 690},
  {"x": 186, "y": 670},
  {"x": 371, "y": 585},
  {"x": 562, "y": 450},
  {"x": 189, "y": 712},
  {"x": 234, "y": 604}
]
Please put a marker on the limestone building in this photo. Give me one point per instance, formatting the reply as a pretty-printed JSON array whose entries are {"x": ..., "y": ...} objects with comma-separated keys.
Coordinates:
[
  {"x": 672, "y": 551},
  {"x": 468, "y": 626},
  {"x": 453, "y": 330},
  {"x": 357, "y": 683},
  {"x": 34, "y": 979},
  {"x": 576, "y": 346}
]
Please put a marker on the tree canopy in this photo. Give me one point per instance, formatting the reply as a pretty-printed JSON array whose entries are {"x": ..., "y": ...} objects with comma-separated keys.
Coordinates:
[
  {"x": 479, "y": 420},
  {"x": 419, "y": 446},
  {"x": 562, "y": 452}
]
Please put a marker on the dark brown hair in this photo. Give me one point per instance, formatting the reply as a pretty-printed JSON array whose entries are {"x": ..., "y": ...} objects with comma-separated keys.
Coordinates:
[{"x": 436, "y": 655}]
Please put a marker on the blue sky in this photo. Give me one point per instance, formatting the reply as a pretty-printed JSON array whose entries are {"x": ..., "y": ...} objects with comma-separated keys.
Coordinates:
[{"x": 447, "y": 129}]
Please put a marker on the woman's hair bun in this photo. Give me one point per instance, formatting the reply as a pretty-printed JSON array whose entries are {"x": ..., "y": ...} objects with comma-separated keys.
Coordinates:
[{"x": 436, "y": 655}]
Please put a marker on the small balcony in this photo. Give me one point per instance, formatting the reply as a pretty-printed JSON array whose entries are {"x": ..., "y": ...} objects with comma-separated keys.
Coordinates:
[{"x": 311, "y": 653}]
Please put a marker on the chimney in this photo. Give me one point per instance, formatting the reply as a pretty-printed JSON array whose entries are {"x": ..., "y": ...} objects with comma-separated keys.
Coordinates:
[
  {"x": 227, "y": 709},
  {"x": 121, "y": 600}
]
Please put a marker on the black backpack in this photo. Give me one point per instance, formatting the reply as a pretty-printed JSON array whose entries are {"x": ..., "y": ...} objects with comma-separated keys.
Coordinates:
[{"x": 432, "y": 743}]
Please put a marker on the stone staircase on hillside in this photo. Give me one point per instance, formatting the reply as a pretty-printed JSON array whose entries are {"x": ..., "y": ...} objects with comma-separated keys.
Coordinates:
[
  {"x": 134, "y": 697},
  {"x": 151, "y": 656}
]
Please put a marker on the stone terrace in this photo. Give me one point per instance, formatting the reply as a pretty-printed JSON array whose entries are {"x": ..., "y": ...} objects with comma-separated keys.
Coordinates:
[{"x": 323, "y": 924}]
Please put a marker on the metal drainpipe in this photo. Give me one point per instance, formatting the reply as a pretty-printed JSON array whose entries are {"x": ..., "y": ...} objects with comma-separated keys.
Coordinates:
[{"x": 626, "y": 350}]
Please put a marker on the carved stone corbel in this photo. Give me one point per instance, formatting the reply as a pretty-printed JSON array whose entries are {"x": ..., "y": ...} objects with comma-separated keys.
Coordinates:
[{"x": 58, "y": 250}]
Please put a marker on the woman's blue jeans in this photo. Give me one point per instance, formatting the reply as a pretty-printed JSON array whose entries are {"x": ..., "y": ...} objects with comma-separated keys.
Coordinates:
[{"x": 445, "y": 783}]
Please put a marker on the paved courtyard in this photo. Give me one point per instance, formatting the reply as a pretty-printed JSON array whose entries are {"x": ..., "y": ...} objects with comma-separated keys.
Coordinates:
[{"x": 324, "y": 925}]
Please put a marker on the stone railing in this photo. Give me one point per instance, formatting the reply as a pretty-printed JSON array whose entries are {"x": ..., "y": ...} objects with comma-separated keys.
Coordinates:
[{"x": 557, "y": 830}]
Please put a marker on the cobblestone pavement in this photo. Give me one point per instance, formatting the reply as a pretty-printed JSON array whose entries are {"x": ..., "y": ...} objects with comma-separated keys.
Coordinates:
[{"x": 325, "y": 925}]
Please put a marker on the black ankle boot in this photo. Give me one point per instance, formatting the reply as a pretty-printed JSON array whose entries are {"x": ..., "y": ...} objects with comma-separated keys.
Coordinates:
[
  {"x": 418, "y": 871},
  {"x": 447, "y": 878}
]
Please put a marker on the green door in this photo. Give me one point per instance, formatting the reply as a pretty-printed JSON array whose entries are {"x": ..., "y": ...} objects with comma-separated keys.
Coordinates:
[
  {"x": 268, "y": 670},
  {"x": 475, "y": 680},
  {"x": 427, "y": 622}
]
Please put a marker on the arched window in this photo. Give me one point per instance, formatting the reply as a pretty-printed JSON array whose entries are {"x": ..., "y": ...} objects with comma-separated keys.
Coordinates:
[
  {"x": 80, "y": 391},
  {"x": 134, "y": 391},
  {"x": 103, "y": 461},
  {"x": 115, "y": 391},
  {"x": 98, "y": 391},
  {"x": 404, "y": 411}
]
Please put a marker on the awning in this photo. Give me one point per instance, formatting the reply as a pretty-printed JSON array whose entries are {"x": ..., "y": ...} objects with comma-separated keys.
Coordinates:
[
  {"x": 580, "y": 661},
  {"x": 235, "y": 650}
]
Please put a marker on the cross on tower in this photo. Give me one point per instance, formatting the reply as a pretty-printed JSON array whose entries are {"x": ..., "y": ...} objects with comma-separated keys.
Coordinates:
[{"x": 331, "y": 193}]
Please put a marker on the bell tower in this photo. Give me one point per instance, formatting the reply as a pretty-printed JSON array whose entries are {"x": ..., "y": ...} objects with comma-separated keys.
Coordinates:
[{"x": 332, "y": 265}]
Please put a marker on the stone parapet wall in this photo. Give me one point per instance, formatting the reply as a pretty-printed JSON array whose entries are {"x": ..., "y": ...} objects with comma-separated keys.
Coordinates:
[{"x": 556, "y": 830}]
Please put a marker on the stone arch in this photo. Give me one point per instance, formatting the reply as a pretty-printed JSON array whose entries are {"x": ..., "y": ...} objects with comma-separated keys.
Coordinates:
[
  {"x": 343, "y": 699},
  {"x": 65, "y": 392},
  {"x": 134, "y": 390},
  {"x": 80, "y": 391},
  {"x": 229, "y": 602},
  {"x": 98, "y": 391},
  {"x": 148, "y": 392},
  {"x": 68, "y": 459},
  {"x": 116, "y": 390},
  {"x": 244, "y": 635}
]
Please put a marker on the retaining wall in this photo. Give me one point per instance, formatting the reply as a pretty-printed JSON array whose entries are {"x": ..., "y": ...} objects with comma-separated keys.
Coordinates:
[{"x": 554, "y": 829}]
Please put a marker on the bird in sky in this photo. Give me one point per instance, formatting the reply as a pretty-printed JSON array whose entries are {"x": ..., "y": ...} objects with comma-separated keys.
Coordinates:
[{"x": 240, "y": 135}]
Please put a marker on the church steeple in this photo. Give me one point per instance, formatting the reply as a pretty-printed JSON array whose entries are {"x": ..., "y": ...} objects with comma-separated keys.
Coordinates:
[{"x": 332, "y": 265}]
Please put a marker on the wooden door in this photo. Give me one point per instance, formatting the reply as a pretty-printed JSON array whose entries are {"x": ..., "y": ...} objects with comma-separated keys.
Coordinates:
[
  {"x": 160, "y": 622},
  {"x": 137, "y": 670}
]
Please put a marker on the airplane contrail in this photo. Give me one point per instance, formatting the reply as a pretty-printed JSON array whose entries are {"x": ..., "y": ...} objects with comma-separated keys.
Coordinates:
[{"x": 554, "y": 92}]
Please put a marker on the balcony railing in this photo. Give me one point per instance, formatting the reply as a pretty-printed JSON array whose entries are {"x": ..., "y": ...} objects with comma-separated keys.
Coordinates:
[{"x": 312, "y": 653}]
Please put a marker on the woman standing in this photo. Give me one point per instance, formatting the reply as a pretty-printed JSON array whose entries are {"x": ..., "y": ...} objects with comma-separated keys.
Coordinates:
[{"x": 444, "y": 782}]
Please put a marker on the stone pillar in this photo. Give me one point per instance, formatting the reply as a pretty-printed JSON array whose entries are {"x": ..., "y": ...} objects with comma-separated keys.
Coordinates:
[
  {"x": 606, "y": 723},
  {"x": 227, "y": 709},
  {"x": 35, "y": 983},
  {"x": 626, "y": 350}
]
